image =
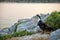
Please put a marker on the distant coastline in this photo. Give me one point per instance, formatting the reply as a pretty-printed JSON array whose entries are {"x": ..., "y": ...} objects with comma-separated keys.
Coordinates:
[{"x": 32, "y": 1}]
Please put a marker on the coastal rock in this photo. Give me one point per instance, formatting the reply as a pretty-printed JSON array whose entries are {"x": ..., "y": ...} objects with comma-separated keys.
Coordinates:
[
  {"x": 6, "y": 31},
  {"x": 29, "y": 25},
  {"x": 55, "y": 35}
]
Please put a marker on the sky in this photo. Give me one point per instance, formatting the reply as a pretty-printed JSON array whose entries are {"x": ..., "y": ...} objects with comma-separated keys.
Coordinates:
[{"x": 11, "y": 12}]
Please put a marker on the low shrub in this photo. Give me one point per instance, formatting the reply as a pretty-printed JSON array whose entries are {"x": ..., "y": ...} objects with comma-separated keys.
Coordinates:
[{"x": 54, "y": 20}]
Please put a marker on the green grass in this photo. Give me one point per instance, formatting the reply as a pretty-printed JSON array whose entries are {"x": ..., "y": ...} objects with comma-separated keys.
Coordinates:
[
  {"x": 16, "y": 34},
  {"x": 21, "y": 33}
]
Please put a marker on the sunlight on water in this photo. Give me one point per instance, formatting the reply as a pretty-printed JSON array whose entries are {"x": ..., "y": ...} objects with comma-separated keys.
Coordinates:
[{"x": 11, "y": 12}]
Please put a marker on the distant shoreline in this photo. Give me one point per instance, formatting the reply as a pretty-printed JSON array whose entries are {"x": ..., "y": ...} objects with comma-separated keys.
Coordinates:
[
  {"x": 27, "y": 3},
  {"x": 32, "y": 1}
]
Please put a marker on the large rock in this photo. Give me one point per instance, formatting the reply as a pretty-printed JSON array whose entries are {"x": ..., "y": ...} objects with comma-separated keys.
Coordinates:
[
  {"x": 29, "y": 24},
  {"x": 6, "y": 31},
  {"x": 55, "y": 35}
]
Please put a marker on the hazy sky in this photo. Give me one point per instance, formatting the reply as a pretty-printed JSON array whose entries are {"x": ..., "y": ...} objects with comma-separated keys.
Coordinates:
[{"x": 11, "y": 12}]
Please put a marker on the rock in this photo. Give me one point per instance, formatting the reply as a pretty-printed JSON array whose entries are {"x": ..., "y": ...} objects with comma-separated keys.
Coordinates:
[
  {"x": 29, "y": 25},
  {"x": 36, "y": 36},
  {"x": 6, "y": 31},
  {"x": 55, "y": 35},
  {"x": 44, "y": 16}
]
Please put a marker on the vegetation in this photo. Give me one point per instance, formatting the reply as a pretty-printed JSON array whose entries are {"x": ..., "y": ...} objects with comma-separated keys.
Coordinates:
[
  {"x": 16, "y": 34},
  {"x": 41, "y": 1},
  {"x": 21, "y": 33},
  {"x": 54, "y": 20}
]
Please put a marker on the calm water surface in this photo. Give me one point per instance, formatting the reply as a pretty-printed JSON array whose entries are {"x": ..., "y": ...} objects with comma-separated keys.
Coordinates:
[{"x": 11, "y": 12}]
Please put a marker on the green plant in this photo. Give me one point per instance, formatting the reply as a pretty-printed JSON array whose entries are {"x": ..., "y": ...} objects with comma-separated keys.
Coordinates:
[
  {"x": 5, "y": 37},
  {"x": 16, "y": 34},
  {"x": 21, "y": 33},
  {"x": 54, "y": 20}
]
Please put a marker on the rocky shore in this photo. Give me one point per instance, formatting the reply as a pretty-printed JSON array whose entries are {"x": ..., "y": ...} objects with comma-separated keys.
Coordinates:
[{"x": 36, "y": 36}]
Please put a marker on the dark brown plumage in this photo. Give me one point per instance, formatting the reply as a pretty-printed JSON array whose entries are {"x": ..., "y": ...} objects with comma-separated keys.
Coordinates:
[{"x": 43, "y": 25}]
